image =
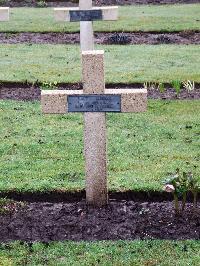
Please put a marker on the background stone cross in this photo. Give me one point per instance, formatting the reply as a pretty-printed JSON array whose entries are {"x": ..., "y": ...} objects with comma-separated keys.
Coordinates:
[
  {"x": 95, "y": 101},
  {"x": 4, "y": 13},
  {"x": 86, "y": 14}
]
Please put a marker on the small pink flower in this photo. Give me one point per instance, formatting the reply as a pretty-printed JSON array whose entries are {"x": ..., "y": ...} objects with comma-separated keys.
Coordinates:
[{"x": 169, "y": 188}]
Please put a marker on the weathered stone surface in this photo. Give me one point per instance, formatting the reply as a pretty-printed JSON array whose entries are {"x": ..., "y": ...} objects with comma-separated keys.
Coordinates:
[
  {"x": 132, "y": 100},
  {"x": 95, "y": 130},
  {"x": 108, "y": 13},
  {"x": 4, "y": 13},
  {"x": 55, "y": 101},
  {"x": 86, "y": 28},
  {"x": 93, "y": 72},
  {"x": 95, "y": 158},
  {"x": 85, "y": 4},
  {"x": 86, "y": 36}
]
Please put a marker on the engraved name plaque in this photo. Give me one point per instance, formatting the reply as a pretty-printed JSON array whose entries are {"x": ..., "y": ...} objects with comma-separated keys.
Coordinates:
[
  {"x": 94, "y": 103},
  {"x": 85, "y": 15}
]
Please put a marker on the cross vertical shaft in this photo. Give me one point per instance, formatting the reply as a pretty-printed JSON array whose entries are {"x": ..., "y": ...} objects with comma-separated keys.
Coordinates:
[
  {"x": 94, "y": 123},
  {"x": 86, "y": 28},
  {"x": 95, "y": 131}
]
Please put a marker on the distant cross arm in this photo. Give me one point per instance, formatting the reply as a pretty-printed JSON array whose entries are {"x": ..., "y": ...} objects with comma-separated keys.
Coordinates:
[
  {"x": 93, "y": 14},
  {"x": 4, "y": 13}
]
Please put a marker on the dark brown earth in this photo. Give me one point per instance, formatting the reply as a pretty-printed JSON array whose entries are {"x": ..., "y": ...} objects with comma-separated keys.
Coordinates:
[
  {"x": 184, "y": 37},
  {"x": 57, "y": 196},
  {"x": 32, "y": 92},
  {"x": 65, "y": 3},
  {"x": 119, "y": 220}
]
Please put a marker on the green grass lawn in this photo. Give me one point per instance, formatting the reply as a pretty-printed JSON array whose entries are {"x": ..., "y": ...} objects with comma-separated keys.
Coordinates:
[
  {"x": 61, "y": 63},
  {"x": 131, "y": 18},
  {"x": 44, "y": 152},
  {"x": 119, "y": 253}
]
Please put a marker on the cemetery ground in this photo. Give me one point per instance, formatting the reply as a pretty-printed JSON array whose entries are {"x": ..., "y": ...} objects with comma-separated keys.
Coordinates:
[
  {"x": 34, "y": 159},
  {"x": 61, "y": 63},
  {"x": 42, "y": 161},
  {"x": 68, "y": 3},
  {"x": 169, "y": 18},
  {"x": 34, "y": 164},
  {"x": 140, "y": 24}
]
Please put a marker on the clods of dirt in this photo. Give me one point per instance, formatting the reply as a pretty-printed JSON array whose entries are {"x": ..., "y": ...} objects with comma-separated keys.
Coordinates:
[
  {"x": 25, "y": 92},
  {"x": 68, "y": 3},
  {"x": 21, "y": 93},
  {"x": 153, "y": 38},
  {"x": 184, "y": 37},
  {"x": 123, "y": 219},
  {"x": 143, "y": 2},
  {"x": 170, "y": 94}
]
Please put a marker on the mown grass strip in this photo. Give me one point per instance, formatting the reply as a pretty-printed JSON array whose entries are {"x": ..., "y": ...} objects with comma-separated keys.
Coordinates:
[
  {"x": 138, "y": 253},
  {"x": 131, "y": 18},
  {"x": 45, "y": 152},
  {"x": 133, "y": 63}
]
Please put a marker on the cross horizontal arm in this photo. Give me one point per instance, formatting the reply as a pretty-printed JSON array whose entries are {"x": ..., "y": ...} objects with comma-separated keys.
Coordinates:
[
  {"x": 66, "y": 14},
  {"x": 4, "y": 13},
  {"x": 56, "y": 101}
]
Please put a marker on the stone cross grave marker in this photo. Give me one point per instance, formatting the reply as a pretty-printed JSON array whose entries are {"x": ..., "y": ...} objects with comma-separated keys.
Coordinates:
[
  {"x": 4, "y": 13},
  {"x": 94, "y": 101},
  {"x": 86, "y": 14}
]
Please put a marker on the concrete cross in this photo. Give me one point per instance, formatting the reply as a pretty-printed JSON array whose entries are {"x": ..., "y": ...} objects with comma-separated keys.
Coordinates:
[
  {"x": 4, "y": 13},
  {"x": 94, "y": 101},
  {"x": 86, "y": 14}
]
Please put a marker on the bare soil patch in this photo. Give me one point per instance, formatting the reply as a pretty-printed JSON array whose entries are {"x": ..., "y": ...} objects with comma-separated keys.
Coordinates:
[
  {"x": 57, "y": 196},
  {"x": 122, "y": 219},
  {"x": 67, "y": 3},
  {"x": 26, "y": 92},
  {"x": 153, "y": 38}
]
